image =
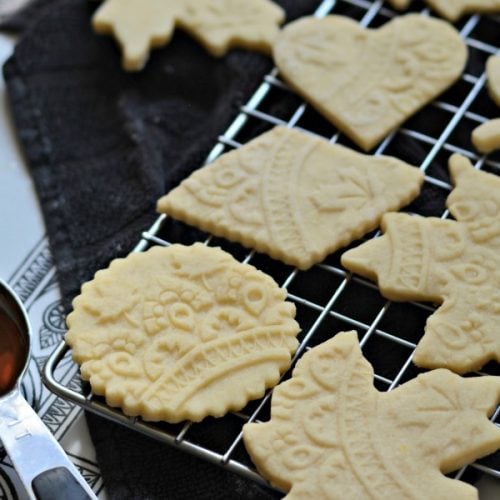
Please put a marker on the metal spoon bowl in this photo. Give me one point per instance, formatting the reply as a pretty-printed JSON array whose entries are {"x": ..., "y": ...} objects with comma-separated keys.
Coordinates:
[{"x": 43, "y": 466}]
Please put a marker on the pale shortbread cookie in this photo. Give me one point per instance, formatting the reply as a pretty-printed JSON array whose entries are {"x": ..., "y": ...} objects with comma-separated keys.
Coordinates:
[
  {"x": 368, "y": 82},
  {"x": 332, "y": 435},
  {"x": 181, "y": 333},
  {"x": 493, "y": 74},
  {"x": 293, "y": 196},
  {"x": 456, "y": 263},
  {"x": 486, "y": 137},
  {"x": 454, "y": 9},
  {"x": 140, "y": 25}
]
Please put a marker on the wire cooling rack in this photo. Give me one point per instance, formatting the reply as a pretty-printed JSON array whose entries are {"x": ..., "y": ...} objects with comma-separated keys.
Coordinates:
[{"x": 329, "y": 299}]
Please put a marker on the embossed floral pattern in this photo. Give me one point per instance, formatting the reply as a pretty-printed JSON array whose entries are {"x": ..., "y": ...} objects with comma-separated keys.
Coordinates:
[
  {"x": 293, "y": 196},
  {"x": 332, "y": 435},
  {"x": 455, "y": 263},
  {"x": 197, "y": 333},
  {"x": 140, "y": 25},
  {"x": 368, "y": 82}
]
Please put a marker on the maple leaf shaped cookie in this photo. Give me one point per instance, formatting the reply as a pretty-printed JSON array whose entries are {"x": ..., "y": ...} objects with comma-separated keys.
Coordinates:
[
  {"x": 140, "y": 25},
  {"x": 368, "y": 82},
  {"x": 454, "y": 9},
  {"x": 332, "y": 435},
  {"x": 293, "y": 196},
  {"x": 181, "y": 333},
  {"x": 456, "y": 263}
]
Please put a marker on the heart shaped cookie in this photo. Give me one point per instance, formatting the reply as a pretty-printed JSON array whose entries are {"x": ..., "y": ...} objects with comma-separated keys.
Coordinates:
[
  {"x": 453, "y": 9},
  {"x": 368, "y": 82}
]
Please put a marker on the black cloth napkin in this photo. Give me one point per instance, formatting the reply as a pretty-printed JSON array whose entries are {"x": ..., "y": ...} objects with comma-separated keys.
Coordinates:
[{"x": 102, "y": 146}]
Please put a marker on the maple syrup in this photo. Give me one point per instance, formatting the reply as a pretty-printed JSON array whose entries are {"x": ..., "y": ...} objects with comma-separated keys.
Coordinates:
[{"x": 13, "y": 352}]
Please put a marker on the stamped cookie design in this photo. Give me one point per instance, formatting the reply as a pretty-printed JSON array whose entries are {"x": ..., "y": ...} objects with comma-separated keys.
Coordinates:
[
  {"x": 368, "y": 82},
  {"x": 141, "y": 25},
  {"x": 333, "y": 435},
  {"x": 181, "y": 333},
  {"x": 456, "y": 263},
  {"x": 293, "y": 196},
  {"x": 454, "y": 9}
]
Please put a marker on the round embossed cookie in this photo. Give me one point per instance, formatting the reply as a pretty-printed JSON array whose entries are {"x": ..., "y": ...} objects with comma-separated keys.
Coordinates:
[{"x": 181, "y": 333}]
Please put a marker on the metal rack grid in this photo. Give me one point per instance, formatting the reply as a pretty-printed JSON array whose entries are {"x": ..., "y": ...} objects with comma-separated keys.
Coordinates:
[{"x": 326, "y": 296}]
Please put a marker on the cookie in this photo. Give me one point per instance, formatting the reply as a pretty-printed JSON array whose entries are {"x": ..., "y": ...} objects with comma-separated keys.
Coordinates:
[
  {"x": 493, "y": 74},
  {"x": 451, "y": 262},
  {"x": 218, "y": 25},
  {"x": 181, "y": 333},
  {"x": 454, "y": 9},
  {"x": 486, "y": 137},
  {"x": 293, "y": 196},
  {"x": 332, "y": 435},
  {"x": 368, "y": 82}
]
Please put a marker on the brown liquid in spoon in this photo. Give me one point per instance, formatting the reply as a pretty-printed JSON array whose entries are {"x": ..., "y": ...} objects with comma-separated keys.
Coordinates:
[{"x": 13, "y": 352}]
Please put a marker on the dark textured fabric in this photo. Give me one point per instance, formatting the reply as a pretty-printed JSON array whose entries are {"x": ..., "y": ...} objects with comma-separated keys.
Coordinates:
[
  {"x": 22, "y": 18},
  {"x": 102, "y": 146},
  {"x": 137, "y": 467}
]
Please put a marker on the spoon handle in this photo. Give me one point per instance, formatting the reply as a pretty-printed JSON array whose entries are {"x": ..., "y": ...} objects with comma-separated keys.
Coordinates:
[{"x": 43, "y": 466}]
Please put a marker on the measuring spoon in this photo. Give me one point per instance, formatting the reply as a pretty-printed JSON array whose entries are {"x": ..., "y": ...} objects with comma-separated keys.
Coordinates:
[{"x": 43, "y": 466}]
